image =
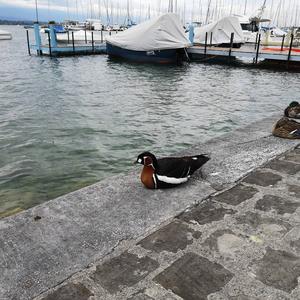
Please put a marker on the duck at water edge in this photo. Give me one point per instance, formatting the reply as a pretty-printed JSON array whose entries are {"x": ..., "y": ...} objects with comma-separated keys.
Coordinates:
[{"x": 168, "y": 172}]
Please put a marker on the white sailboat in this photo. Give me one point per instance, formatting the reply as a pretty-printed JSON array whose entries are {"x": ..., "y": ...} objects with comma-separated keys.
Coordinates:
[{"x": 5, "y": 35}]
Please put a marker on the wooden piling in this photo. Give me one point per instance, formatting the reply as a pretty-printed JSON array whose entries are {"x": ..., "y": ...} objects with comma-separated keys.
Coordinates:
[
  {"x": 28, "y": 42},
  {"x": 205, "y": 45},
  {"x": 49, "y": 44},
  {"x": 282, "y": 43},
  {"x": 73, "y": 43},
  {"x": 257, "y": 50},
  {"x": 290, "y": 49},
  {"x": 231, "y": 44}
]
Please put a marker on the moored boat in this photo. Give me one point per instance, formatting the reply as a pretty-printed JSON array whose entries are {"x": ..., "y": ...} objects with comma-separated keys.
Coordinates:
[
  {"x": 159, "y": 40},
  {"x": 219, "y": 33},
  {"x": 5, "y": 35}
]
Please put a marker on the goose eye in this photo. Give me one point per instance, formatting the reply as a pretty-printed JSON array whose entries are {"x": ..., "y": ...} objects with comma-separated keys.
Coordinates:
[{"x": 139, "y": 160}]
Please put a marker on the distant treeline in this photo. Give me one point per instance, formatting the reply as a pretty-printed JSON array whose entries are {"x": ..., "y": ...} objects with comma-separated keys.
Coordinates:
[{"x": 9, "y": 22}]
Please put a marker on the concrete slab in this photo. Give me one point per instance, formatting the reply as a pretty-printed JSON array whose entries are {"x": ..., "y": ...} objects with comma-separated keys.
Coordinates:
[
  {"x": 193, "y": 277},
  {"x": 123, "y": 271},
  {"x": 278, "y": 204},
  {"x": 279, "y": 269},
  {"x": 173, "y": 237},
  {"x": 263, "y": 178},
  {"x": 206, "y": 213},
  {"x": 237, "y": 195}
]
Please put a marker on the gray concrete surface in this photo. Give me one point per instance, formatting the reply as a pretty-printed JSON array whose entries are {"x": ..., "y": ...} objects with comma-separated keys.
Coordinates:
[{"x": 79, "y": 230}]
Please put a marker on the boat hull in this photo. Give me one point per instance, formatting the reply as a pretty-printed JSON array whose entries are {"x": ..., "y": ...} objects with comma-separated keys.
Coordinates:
[
  {"x": 5, "y": 37},
  {"x": 157, "y": 56}
]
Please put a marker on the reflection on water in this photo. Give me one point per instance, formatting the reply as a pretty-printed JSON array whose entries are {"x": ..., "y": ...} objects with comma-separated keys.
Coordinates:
[{"x": 66, "y": 123}]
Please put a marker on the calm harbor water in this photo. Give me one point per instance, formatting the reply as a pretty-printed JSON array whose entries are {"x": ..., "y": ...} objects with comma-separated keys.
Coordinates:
[{"x": 66, "y": 123}]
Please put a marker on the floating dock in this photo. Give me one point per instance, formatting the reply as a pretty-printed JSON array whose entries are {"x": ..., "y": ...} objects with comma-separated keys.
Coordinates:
[{"x": 248, "y": 52}]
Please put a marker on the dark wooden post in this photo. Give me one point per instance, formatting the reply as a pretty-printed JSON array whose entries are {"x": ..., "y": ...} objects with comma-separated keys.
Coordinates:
[
  {"x": 257, "y": 50},
  {"x": 282, "y": 43},
  {"x": 73, "y": 43},
  {"x": 28, "y": 42},
  {"x": 205, "y": 45},
  {"x": 290, "y": 50},
  {"x": 231, "y": 44},
  {"x": 49, "y": 43}
]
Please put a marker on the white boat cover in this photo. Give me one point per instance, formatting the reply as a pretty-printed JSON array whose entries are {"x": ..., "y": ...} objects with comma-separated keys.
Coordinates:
[
  {"x": 160, "y": 33},
  {"x": 221, "y": 32}
]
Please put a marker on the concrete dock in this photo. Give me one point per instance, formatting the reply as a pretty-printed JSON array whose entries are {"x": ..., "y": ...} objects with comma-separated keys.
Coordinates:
[{"x": 232, "y": 233}]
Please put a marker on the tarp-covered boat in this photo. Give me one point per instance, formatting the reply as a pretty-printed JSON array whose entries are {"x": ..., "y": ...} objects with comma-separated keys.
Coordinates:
[
  {"x": 219, "y": 33},
  {"x": 159, "y": 40}
]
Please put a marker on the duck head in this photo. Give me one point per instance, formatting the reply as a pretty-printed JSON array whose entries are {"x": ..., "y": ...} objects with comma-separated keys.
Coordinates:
[
  {"x": 147, "y": 159},
  {"x": 293, "y": 104}
]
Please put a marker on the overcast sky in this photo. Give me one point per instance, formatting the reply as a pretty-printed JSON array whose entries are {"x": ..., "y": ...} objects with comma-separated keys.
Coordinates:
[{"x": 282, "y": 11}]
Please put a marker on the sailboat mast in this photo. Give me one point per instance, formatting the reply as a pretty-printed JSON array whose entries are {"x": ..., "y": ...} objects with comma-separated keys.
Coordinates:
[
  {"x": 208, "y": 12},
  {"x": 245, "y": 10},
  {"x": 36, "y": 11}
]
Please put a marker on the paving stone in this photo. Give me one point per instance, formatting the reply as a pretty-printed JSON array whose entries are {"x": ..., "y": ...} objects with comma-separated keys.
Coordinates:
[
  {"x": 242, "y": 297},
  {"x": 280, "y": 205},
  {"x": 123, "y": 271},
  {"x": 224, "y": 241},
  {"x": 172, "y": 237},
  {"x": 193, "y": 277},
  {"x": 255, "y": 220},
  {"x": 296, "y": 245},
  {"x": 262, "y": 178},
  {"x": 294, "y": 190},
  {"x": 236, "y": 195},
  {"x": 206, "y": 213},
  {"x": 279, "y": 269},
  {"x": 284, "y": 166},
  {"x": 70, "y": 291},
  {"x": 140, "y": 296},
  {"x": 293, "y": 156}
]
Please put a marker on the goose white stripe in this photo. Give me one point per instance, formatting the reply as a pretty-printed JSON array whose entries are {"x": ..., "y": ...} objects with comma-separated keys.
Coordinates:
[
  {"x": 172, "y": 180},
  {"x": 154, "y": 180}
]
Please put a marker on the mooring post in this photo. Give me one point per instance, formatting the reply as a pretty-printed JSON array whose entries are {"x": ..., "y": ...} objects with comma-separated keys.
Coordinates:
[
  {"x": 85, "y": 37},
  {"x": 257, "y": 50},
  {"x": 211, "y": 36},
  {"x": 290, "y": 49},
  {"x": 73, "y": 44},
  {"x": 231, "y": 44},
  {"x": 38, "y": 40},
  {"x": 282, "y": 43},
  {"x": 93, "y": 46},
  {"x": 49, "y": 44},
  {"x": 28, "y": 42},
  {"x": 101, "y": 36},
  {"x": 205, "y": 45},
  {"x": 191, "y": 33},
  {"x": 53, "y": 39}
]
